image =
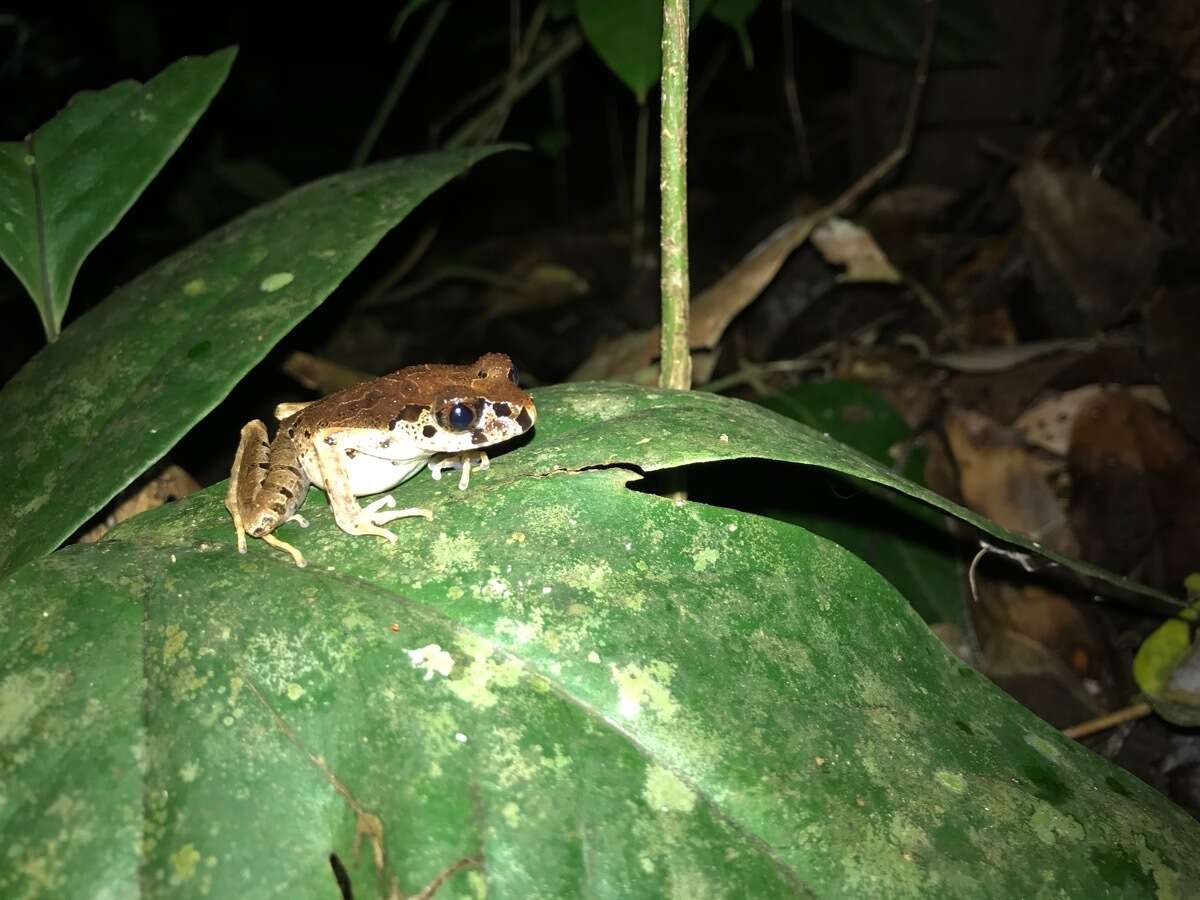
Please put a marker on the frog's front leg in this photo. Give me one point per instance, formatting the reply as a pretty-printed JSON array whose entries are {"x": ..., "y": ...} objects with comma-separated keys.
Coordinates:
[
  {"x": 464, "y": 460},
  {"x": 330, "y": 446}
]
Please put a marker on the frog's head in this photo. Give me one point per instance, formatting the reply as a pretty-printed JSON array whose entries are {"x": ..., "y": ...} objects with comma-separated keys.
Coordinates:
[{"x": 469, "y": 407}]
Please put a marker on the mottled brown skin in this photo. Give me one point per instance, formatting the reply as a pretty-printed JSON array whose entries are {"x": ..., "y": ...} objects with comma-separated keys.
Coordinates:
[
  {"x": 379, "y": 403},
  {"x": 369, "y": 437}
]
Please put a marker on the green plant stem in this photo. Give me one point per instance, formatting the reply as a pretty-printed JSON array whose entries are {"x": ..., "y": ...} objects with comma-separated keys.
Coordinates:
[
  {"x": 568, "y": 43},
  {"x": 676, "y": 366},
  {"x": 399, "y": 83}
]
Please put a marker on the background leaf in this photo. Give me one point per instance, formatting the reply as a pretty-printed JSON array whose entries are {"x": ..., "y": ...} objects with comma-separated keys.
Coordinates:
[
  {"x": 130, "y": 377},
  {"x": 966, "y": 33},
  {"x": 627, "y": 35},
  {"x": 734, "y": 13},
  {"x": 1164, "y": 665},
  {"x": 67, "y": 185},
  {"x": 900, "y": 538},
  {"x": 598, "y": 691}
]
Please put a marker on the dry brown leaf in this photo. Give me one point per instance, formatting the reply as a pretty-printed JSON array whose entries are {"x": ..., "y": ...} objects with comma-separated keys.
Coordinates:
[
  {"x": 1135, "y": 490},
  {"x": 1093, "y": 238},
  {"x": 1004, "y": 395},
  {"x": 843, "y": 243},
  {"x": 1006, "y": 482},
  {"x": 1172, "y": 326},
  {"x": 999, "y": 359},
  {"x": 1038, "y": 677},
  {"x": 631, "y": 357},
  {"x": 535, "y": 285},
  {"x": 1176, "y": 25},
  {"x": 321, "y": 375},
  {"x": 913, "y": 206},
  {"x": 1048, "y": 424},
  {"x": 172, "y": 484}
]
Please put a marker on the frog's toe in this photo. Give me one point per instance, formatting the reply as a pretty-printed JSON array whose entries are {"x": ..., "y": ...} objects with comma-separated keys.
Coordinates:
[
  {"x": 297, "y": 556},
  {"x": 389, "y": 536},
  {"x": 374, "y": 506},
  {"x": 382, "y": 518}
]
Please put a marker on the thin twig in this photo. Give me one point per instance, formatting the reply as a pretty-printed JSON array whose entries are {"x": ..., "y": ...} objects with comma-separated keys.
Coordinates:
[
  {"x": 792, "y": 94},
  {"x": 452, "y": 272},
  {"x": 441, "y": 877},
  {"x": 403, "y": 266},
  {"x": 1134, "y": 711},
  {"x": 1024, "y": 560},
  {"x": 514, "y": 29},
  {"x": 750, "y": 371},
  {"x": 641, "y": 154},
  {"x": 519, "y": 50},
  {"x": 934, "y": 308},
  {"x": 970, "y": 632},
  {"x": 620, "y": 177},
  {"x": 466, "y": 102},
  {"x": 816, "y": 358},
  {"x": 411, "y": 60},
  {"x": 568, "y": 42},
  {"x": 712, "y": 67},
  {"x": 885, "y": 166},
  {"x": 1119, "y": 137}
]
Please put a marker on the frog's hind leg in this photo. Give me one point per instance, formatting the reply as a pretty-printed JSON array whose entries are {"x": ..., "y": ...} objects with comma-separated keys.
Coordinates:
[
  {"x": 245, "y": 468},
  {"x": 266, "y": 487}
]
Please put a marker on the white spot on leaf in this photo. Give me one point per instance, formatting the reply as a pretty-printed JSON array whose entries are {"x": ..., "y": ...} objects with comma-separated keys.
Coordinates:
[
  {"x": 433, "y": 659},
  {"x": 274, "y": 282}
]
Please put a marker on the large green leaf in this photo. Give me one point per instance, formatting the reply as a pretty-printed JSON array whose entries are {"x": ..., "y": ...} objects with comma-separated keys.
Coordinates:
[
  {"x": 627, "y": 35},
  {"x": 966, "y": 33},
  {"x": 591, "y": 691},
  {"x": 67, "y": 185},
  {"x": 903, "y": 540},
  {"x": 130, "y": 377}
]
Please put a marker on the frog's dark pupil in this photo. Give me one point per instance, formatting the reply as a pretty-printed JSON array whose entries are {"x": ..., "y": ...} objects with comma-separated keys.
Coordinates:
[{"x": 461, "y": 416}]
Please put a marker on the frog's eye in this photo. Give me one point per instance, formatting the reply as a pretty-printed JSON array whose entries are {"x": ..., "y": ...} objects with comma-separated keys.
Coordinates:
[{"x": 460, "y": 417}]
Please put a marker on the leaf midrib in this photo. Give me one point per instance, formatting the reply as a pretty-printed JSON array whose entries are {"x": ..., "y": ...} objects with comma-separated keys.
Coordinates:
[
  {"x": 363, "y": 586},
  {"x": 46, "y": 304}
]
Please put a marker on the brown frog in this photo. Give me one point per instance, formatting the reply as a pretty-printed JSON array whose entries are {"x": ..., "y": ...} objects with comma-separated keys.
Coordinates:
[{"x": 369, "y": 438}]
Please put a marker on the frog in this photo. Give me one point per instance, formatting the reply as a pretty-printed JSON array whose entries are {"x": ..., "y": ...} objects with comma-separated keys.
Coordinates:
[{"x": 369, "y": 438}]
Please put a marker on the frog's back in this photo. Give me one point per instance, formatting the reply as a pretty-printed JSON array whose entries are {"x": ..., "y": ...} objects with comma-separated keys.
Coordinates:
[{"x": 404, "y": 394}]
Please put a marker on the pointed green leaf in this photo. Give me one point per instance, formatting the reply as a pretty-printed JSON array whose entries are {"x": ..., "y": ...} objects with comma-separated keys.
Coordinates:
[
  {"x": 965, "y": 35},
  {"x": 627, "y": 35},
  {"x": 574, "y": 688},
  {"x": 735, "y": 13},
  {"x": 129, "y": 378},
  {"x": 65, "y": 187}
]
